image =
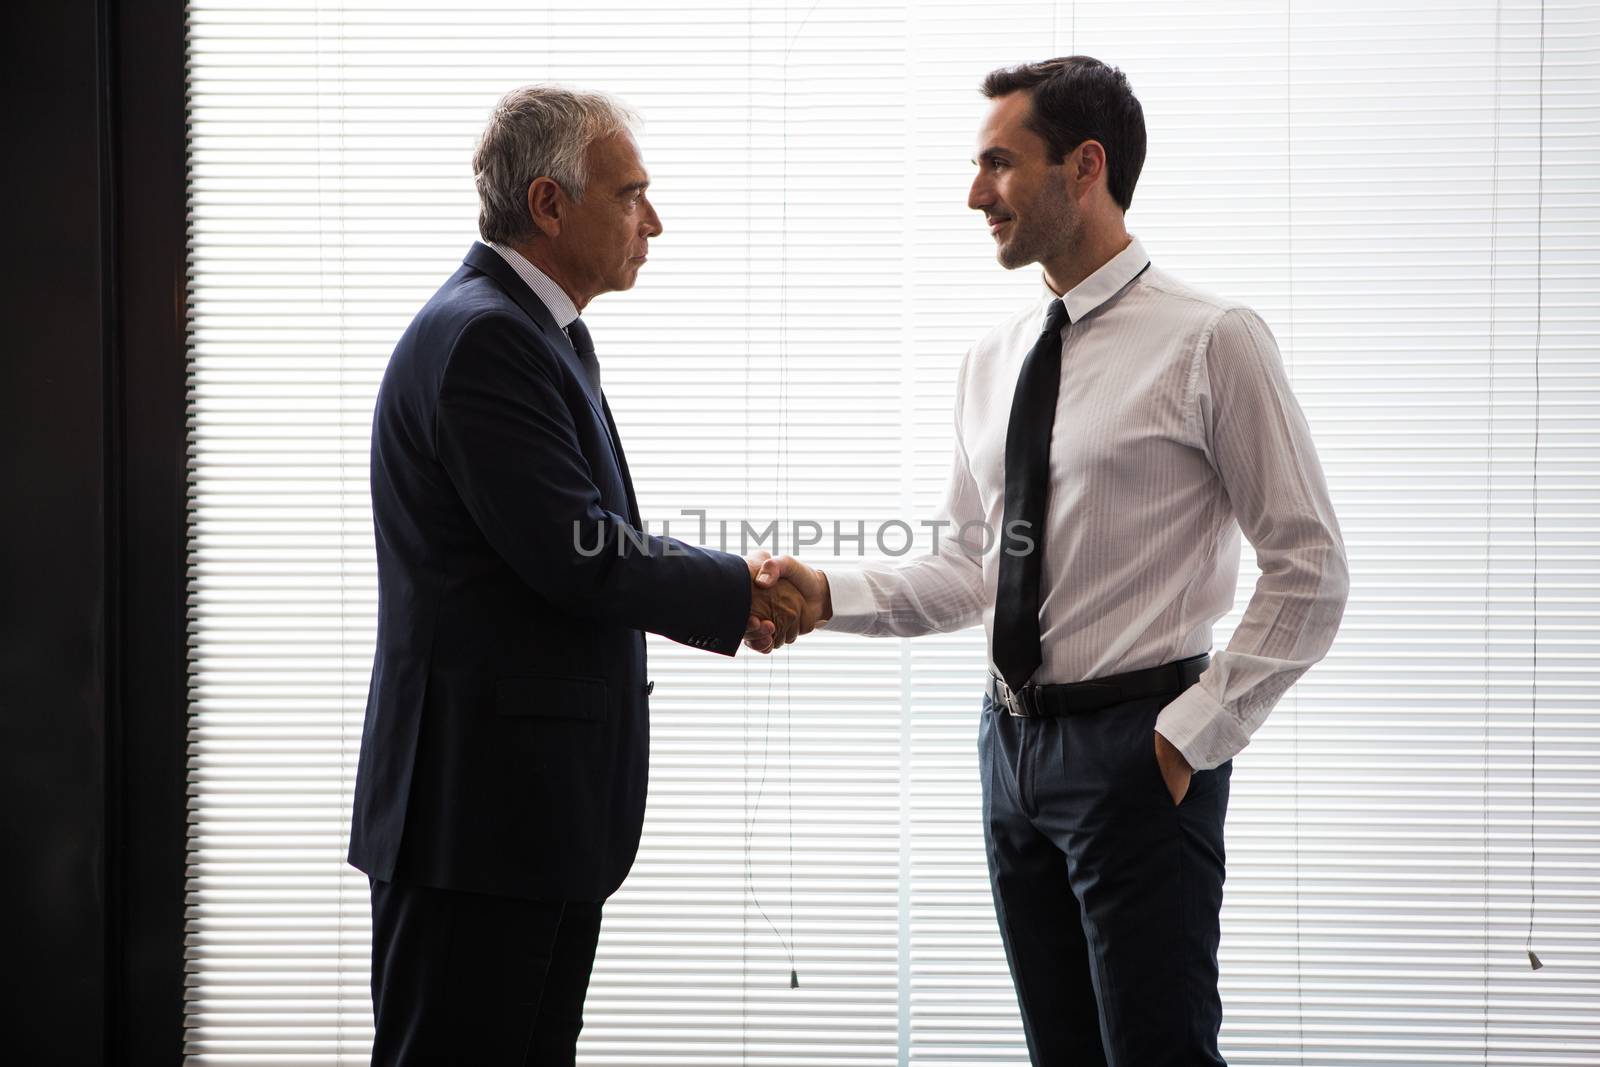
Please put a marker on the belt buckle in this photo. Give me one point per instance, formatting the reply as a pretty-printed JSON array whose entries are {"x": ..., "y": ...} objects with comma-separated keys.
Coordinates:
[{"x": 1016, "y": 704}]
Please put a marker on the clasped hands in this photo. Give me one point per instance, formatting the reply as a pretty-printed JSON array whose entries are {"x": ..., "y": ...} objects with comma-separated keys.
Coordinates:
[{"x": 787, "y": 600}]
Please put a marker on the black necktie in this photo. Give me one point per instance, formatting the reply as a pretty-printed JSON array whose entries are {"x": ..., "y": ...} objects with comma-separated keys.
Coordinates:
[
  {"x": 583, "y": 344},
  {"x": 1033, "y": 414}
]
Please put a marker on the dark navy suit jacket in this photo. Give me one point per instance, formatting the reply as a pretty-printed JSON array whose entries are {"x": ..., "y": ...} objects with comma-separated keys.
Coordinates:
[{"x": 506, "y": 742}]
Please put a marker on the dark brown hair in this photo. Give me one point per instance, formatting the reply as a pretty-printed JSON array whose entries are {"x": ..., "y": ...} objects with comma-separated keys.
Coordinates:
[{"x": 1077, "y": 99}]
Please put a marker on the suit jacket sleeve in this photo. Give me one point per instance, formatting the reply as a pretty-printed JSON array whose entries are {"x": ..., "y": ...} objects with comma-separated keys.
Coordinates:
[{"x": 506, "y": 437}]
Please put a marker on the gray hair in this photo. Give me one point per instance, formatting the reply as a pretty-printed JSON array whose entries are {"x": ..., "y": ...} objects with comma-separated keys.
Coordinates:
[{"x": 538, "y": 131}]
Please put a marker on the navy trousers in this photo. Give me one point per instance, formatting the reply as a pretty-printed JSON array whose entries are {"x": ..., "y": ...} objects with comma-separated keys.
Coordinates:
[
  {"x": 468, "y": 978},
  {"x": 1108, "y": 894}
]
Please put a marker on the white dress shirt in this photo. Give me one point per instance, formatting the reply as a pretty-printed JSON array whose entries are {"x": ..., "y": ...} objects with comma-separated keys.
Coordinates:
[{"x": 1175, "y": 426}]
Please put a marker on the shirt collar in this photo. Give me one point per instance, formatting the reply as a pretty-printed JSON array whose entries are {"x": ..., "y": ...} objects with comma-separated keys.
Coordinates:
[
  {"x": 1103, "y": 284},
  {"x": 555, "y": 298}
]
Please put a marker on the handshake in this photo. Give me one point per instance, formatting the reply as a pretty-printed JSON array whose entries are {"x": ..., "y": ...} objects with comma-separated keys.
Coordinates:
[{"x": 787, "y": 600}]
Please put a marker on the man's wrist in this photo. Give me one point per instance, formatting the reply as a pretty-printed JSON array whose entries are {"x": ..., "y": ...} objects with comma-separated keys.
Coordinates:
[
  {"x": 1176, "y": 754},
  {"x": 827, "y": 599}
]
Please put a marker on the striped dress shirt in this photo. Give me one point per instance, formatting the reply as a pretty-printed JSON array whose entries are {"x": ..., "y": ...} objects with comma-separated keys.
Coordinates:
[
  {"x": 1175, "y": 428},
  {"x": 562, "y": 309}
]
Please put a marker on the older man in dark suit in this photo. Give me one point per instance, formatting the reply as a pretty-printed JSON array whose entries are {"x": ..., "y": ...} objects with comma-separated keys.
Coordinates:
[{"x": 501, "y": 785}]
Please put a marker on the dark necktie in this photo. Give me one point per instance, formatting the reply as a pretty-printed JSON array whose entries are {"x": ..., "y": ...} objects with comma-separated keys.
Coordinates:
[
  {"x": 1033, "y": 411},
  {"x": 583, "y": 344}
]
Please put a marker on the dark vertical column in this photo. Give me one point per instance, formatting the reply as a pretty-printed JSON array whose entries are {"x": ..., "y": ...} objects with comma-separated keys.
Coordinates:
[
  {"x": 52, "y": 435},
  {"x": 53, "y": 535},
  {"x": 146, "y": 462},
  {"x": 91, "y": 532}
]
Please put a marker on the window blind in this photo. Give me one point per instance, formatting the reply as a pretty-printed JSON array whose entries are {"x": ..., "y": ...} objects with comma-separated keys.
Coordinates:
[{"x": 1404, "y": 190}]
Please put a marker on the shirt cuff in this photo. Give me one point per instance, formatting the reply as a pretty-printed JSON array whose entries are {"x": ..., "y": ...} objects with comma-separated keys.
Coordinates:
[
  {"x": 1204, "y": 731},
  {"x": 853, "y": 606}
]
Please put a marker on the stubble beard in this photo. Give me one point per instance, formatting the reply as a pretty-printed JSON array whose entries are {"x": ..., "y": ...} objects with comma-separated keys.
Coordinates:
[{"x": 1056, "y": 226}]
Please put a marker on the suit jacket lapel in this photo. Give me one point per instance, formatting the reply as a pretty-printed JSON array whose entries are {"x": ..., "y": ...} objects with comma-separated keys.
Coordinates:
[
  {"x": 483, "y": 258},
  {"x": 487, "y": 260},
  {"x": 622, "y": 461}
]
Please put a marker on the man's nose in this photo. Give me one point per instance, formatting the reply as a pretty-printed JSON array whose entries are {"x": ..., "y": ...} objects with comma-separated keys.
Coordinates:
[{"x": 979, "y": 195}]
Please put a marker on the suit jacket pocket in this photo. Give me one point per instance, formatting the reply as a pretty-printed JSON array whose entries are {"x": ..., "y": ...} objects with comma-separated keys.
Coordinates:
[{"x": 551, "y": 696}]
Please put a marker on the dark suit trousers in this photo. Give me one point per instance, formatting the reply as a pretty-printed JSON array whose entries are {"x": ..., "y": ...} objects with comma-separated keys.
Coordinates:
[
  {"x": 1108, "y": 894},
  {"x": 468, "y": 978}
]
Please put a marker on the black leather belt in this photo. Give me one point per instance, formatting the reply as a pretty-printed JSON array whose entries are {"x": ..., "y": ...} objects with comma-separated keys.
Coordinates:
[{"x": 1076, "y": 698}]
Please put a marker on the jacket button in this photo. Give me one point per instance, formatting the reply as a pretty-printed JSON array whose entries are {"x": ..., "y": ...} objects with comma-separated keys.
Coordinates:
[{"x": 649, "y": 687}]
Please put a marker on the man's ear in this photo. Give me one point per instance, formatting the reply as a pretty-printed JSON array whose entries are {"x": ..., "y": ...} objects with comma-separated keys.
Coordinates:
[
  {"x": 547, "y": 204},
  {"x": 1091, "y": 161}
]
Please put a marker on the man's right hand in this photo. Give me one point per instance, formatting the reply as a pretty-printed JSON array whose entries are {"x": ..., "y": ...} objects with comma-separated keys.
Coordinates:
[
  {"x": 776, "y": 606},
  {"x": 812, "y": 585}
]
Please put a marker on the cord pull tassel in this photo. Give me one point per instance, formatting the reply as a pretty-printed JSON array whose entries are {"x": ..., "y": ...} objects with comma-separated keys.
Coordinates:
[
  {"x": 794, "y": 978},
  {"x": 1533, "y": 960}
]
